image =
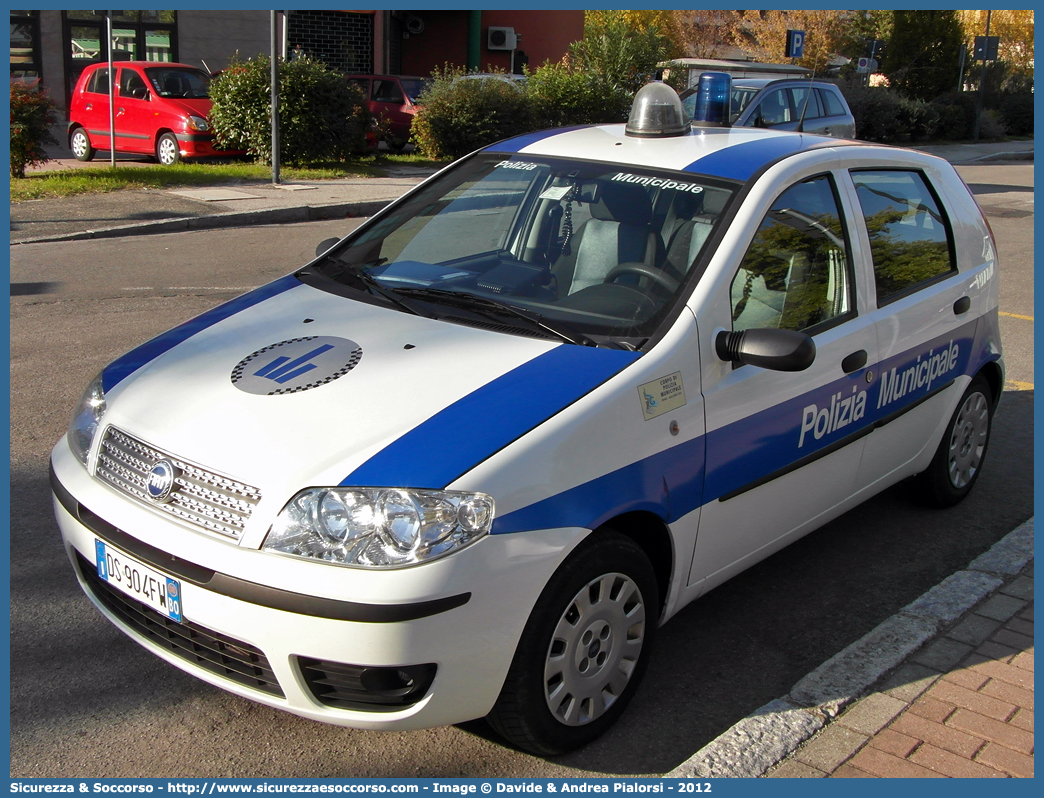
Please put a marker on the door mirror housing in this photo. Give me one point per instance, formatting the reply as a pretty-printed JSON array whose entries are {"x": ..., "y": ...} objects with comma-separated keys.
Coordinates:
[
  {"x": 325, "y": 246},
  {"x": 767, "y": 348}
]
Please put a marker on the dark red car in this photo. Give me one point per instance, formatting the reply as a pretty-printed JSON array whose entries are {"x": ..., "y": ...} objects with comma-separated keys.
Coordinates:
[
  {"x": 160, "y": 110},
  {"x": 392, "y": 99}
]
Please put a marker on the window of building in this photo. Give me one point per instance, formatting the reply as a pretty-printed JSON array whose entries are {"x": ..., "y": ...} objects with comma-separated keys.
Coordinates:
[
  {"x": 25, "y": 46},
  {"x": 909, "y": 234},
  {"x": 136, "y": 36}
]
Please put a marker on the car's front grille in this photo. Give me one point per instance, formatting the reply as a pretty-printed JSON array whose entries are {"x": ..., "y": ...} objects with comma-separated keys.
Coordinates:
[
  {"x": 199, "y": 497},
  {"x": 233, "y": 659}
]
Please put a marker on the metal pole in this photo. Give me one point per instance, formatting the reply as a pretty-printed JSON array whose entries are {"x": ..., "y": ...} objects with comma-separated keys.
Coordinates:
[
  {"x": 275, "y": 101},
  {"x": 982, "y": 79},
  {"x": 960, "y": 76},
  {"x": 112, "y": 91}
]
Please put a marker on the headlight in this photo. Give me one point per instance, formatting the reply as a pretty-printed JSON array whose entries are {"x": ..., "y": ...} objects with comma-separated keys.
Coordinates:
[
  {"x": 86, "y": 419},
  {"x": 379, "y": 527},
  {"x": 198, "y": 123}
]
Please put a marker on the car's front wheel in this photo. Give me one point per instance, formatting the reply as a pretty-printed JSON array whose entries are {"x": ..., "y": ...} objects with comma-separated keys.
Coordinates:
[
  {"x": 80, "y": 143},
  {"x": 168, "y": 151},
  {"x": 962, "y": 451},
  {"x": 583, "y": 650}
]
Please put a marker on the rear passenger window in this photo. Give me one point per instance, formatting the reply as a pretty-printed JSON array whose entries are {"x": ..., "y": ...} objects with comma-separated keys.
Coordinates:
[
  {"x": 831, "y": 104},
  {"x": 805, "y": 103},
  {"x": 795, "y": 274},
  {"x": 909, "y": 234},
  {"x": 99, "y": 82}
]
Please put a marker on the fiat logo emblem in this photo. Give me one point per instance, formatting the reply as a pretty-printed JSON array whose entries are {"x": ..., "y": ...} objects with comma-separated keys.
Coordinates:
[{"x": 160, "y": 481}]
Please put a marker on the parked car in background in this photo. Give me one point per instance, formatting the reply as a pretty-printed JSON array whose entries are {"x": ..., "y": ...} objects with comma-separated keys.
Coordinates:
[
  {"x": 815, "y": 106},
  {"x": 160, "y": 110},
  {"x": 392, "y": 99}
]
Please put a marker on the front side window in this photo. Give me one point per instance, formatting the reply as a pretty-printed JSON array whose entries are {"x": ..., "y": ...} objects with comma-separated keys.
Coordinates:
[
  {"x": 795, "y": 273},
  {"x": 909, "y": 234},
  {"x": 773, "y": 110},
  {"x": 131, "y": 84},
  {"x": 592, "y": 250},
  {"x": 386, "y": 91}
]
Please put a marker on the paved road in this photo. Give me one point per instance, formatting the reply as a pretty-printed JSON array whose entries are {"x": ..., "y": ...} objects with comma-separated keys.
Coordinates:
[{"x": 88, "y": 702}]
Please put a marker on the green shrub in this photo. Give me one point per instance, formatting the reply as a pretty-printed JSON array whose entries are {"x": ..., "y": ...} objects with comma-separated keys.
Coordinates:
[
  {"x": 562, "y": 95},
  {"x": 886, "y": 116},
  {"x": 32, "y": 114},
  {"x": 1017, "y": 112},
  {"x": 956, "y": 111},
  {"x": 322, "y": 117},
  {"x": 459, "y": 115}
]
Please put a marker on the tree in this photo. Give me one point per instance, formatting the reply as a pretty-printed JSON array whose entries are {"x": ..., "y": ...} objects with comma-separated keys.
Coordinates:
[
  {"x": 622, "y": 51},
  {"x": 1015, "y": 29},
  {"x": 764, "y": 34},
  {"x": 706, "y": 33},
  {"x": 923, "y": 55}
]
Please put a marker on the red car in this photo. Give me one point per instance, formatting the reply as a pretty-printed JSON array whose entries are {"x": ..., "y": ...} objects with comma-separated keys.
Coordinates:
[
  {"x": 393, "y": 99},
  {"x": 161, "y": 110}
]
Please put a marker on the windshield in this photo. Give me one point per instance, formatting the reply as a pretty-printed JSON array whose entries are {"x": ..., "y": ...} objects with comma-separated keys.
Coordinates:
[
  {"x": 413, "y": 87},
  {"x": 592, "y": 251},
  {"x": 192, "y": 84}
]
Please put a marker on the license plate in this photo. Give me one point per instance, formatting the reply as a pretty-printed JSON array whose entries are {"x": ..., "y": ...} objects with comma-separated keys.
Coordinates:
[{"x": 138, "y": 581}]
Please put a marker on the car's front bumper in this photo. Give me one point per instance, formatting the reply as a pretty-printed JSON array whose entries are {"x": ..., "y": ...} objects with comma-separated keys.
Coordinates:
[{"x": 259, "y": 635}]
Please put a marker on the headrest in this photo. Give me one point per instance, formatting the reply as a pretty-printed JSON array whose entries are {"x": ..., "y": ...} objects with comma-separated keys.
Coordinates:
[{"x": 626, "y": 203}]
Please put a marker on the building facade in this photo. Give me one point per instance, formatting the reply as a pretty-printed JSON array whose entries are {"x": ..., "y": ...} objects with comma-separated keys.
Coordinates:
[{"x": 53, "y": 47}]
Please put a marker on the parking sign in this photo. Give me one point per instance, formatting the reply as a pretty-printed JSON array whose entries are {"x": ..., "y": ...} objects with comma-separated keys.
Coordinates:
[{"x": 795, "y": 44}]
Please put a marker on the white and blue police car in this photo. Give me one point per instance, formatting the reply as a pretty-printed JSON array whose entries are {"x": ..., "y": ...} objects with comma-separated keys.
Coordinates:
[{"x": 465, "y": 462}]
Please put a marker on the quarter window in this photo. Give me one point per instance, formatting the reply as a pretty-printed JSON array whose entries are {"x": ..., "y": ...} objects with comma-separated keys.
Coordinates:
[
  {"x": 909, "y": 234},
  {"x": 795, "y": 273}
]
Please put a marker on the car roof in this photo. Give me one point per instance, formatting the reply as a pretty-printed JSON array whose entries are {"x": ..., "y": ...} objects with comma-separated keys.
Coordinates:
[
  {"x": 147, "y": 64},
  {"x": 732, "y": 153},
  {"x": 399, "y": 77},
  {"x": 760, "y": 83}
]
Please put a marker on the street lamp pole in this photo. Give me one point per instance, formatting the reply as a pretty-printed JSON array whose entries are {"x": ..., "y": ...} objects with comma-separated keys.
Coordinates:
[{"x": 982, "y": 79}]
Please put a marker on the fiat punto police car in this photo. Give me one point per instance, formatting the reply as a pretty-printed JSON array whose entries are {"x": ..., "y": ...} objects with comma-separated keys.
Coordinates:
[{"x": 465, "y": 462}]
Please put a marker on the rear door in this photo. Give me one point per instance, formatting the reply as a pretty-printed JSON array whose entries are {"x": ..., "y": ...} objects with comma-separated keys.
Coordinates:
[
  {"x": 783, "y": 448},
  {"x": 93, "y": 112},
  {"x": 924, "y": 328}
]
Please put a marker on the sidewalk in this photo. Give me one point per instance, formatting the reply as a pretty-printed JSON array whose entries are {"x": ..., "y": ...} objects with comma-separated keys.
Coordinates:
[
  {"x": 124, "y": 213},
  {"x": 944, "y": 688}
]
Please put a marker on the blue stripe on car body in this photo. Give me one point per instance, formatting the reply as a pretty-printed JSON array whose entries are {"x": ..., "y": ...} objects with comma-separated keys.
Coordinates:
[
  {"x": 467, "y": 432},
  {"x": 125, "y": 365},
  {"x": 741, "y": 161},
  {"x": 518, "y": 143},
  {"x": 674, "y": 482}
]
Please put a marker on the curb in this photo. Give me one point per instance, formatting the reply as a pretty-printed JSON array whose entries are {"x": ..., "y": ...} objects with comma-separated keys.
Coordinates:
[
  {"x": 304, "y": 213},
  {"x": 772, "y": 732},
  {"x": 1021, "y": 155}
]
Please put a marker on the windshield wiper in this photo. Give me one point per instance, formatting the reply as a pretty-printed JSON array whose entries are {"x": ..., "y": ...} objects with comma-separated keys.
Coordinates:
[
  {"x": 490, "y": 307},
  {"x": 371, "y": 284}
]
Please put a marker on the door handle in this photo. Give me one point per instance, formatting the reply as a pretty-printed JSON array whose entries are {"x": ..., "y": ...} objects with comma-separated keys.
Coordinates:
[
  {"x": 90, "y": 106},
  {"x": 962, "y": 305},
  {"x": 120, "y": 112},
  {"x": 854, "y": 361}
]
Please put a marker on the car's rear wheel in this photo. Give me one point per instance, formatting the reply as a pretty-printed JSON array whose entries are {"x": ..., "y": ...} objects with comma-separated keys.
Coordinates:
[
  {"x": 80, "y": 143},
  {"x": 583, "y": 650},
  {"x": 168, "y": 151},
  {"x": 962, "y": 451}
]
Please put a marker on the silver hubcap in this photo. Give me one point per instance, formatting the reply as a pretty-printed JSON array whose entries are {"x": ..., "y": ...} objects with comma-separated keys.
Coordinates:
[
  {"x": 968, "y": 440},
  {"x": 595, "y": 649},
  {"x": 79, "y": 144},
  {"x": 168, "y": 152}
]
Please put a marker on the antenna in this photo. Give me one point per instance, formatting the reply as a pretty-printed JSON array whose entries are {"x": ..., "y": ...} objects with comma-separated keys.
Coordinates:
[
  {"x": 804, "y": 108},
  {"x": 205, "y": 66}
]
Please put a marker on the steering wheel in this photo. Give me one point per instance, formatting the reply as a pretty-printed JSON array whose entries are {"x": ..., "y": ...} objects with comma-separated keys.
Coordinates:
[{"x": 643, "y": 270}]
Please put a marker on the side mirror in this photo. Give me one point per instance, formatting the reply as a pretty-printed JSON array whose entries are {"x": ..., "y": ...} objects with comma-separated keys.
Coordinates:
[
  {"x": 778, "y": 350},
  {"x": 325, "y": 246}
]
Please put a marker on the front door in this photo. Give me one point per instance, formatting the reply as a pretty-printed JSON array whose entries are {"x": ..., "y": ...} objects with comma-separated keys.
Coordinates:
[{"x": 783, "y": 448}]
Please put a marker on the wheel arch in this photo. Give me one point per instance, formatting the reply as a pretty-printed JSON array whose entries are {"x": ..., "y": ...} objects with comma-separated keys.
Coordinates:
[
  {"x": 994, "y": 377},
  {"x": 650, "y": 533}
]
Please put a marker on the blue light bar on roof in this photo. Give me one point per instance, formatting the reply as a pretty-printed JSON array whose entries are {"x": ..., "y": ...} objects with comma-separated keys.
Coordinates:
[{"x": 713, "y": 100}]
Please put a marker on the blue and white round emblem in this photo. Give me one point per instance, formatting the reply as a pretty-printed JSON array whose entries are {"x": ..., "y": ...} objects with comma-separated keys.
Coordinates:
[
  {"x": 296, "y": 365},
  {"x": 160, "y": 480}
]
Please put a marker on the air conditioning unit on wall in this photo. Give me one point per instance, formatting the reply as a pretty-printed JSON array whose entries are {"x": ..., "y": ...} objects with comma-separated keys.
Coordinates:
[{"x": 501, "y": 38}]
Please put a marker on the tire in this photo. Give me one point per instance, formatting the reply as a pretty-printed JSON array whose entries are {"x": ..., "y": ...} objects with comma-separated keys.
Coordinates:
[
  {"x": 168, "y": 151},
  {"x": 583, "y": 650},
  {"x": 962, "y": 451},
  {"x": 80, "y": 144}
]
